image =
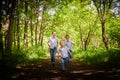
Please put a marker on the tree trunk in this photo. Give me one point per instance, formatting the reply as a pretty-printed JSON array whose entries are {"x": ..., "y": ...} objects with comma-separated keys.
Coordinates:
[
  {"x": 36, "y": 27},
  {"x": 18, "y": 32},
  {"x": 103, "y": 14},
  {"x": 25, "y": 28},
  {"x": 14, "y": 33},
  {"x": 41, "y": 40},
  {"x": 36, "y": 31},
  {"x": 81, "y": 38},
  {"x": 31, "y": 29},
  {"x": 18, "y": 26},
  {"x": 9, "y": 26},
  {"x": 41, "y": 34},
  {"x": 87, "y": 40},
  {"x": 1, "y": 38},
  {"x": 104, "y": 37},
  {"x": 41, "y": 30}
]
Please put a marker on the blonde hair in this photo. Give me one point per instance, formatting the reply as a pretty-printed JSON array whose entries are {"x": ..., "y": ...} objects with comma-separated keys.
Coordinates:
[{"x": 62, "y": 41}]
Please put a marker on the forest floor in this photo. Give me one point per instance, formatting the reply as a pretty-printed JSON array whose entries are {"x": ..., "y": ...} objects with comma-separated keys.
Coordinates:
[{"x": 45, "y": 71}]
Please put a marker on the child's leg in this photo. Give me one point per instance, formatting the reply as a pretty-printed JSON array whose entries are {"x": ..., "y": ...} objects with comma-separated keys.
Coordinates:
[
  {"x": 63, "y": 63},
  {"x": 70, "y": 56},
  {"x": 66, "y": 61},
  {"x": 52, "y": 54}
]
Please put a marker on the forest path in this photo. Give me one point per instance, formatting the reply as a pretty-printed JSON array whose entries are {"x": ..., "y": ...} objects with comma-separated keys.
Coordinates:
[{"x": 45, "y": 71}]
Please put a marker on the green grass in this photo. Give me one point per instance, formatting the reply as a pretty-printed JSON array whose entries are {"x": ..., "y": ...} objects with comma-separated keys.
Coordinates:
[
  {"x": 98, "y": 56},
  {"x": 25, "y": 56},
  {"x": 33, "y": 55},
  {"x": 114, "y": 57},
  {"x": 92, "y": 56}
]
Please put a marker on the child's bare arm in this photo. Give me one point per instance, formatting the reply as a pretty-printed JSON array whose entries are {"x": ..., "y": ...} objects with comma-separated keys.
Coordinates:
[
  {"x": 58, "y": 55},
  {"x": 48, "y": 43}
]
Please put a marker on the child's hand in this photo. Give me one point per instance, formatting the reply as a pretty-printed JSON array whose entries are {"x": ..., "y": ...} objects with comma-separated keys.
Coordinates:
[{"x": 58, "y": 56}]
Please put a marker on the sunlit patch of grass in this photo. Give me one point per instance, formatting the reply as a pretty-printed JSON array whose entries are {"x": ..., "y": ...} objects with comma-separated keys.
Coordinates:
[
  {"x": 98, "y": 56},
  {"x": 25, "y": 56},
  {"x": 35, "y": 52}
]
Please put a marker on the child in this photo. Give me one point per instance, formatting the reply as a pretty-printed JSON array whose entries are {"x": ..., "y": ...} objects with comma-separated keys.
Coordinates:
[
  {"x": 64, "y": 54},
  {"x": 52, "y": 43},
  {"x": 69, "y": 44}
]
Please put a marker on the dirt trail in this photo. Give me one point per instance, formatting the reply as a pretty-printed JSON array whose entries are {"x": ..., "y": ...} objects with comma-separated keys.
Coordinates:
[{"x": 45, "y": 71}]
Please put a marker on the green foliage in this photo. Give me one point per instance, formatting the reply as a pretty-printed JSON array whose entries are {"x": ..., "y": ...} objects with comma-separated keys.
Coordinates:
[
  {"x": 25, "y": 56},
  {"x": 114, "y": 32},
  {"x": 35, "y": 53},
  {"x": 92, "y": 56},
  {"x": 98, "y": 57},
  {"x": 74, "y": 17},
  {"x": 114, "y": 57}
]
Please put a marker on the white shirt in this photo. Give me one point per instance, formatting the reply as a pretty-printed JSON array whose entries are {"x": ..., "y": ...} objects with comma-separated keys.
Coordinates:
[
  {"x": 64, "y": 52},
  {"x": 69, "y": 44},
  {"x": 53, "y": 42}
]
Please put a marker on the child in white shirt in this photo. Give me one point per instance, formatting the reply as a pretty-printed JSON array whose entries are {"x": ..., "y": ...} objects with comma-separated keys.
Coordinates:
[
  {"x": 63, "y": 50},
  {"x": 69, "y": 44},
  {"x": 53, "y": 43}
]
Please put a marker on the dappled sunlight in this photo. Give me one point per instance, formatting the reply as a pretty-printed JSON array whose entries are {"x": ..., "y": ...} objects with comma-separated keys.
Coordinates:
[
  {"x": 37, "y": 35},
  {"x": 56, "y": 78},
  {"x": 89, "y": 73},
  {"x": 99, "y": 71},
  {"x": 75, "y": 71},
  {"x": 33, "y": 56},
  {"x": 81, "y": 71},
  {"x": 17, "y": 75},
  {"x": 39, "y": 66},
  {"x": 53, "y": 71}
]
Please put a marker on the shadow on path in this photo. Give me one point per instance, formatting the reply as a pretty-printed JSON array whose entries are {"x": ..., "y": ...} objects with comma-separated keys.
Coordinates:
[{"x": 45, "y": 71}]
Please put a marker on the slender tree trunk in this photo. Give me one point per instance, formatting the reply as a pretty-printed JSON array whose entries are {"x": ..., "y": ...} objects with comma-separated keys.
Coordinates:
[
  {"x": 9, "y": 26},
  {"x": 31, "y": 30},
  {"x": 87, "y": 40},
  {"x": 36, "y": 31},
  {"x": 104, "y": 37},
  {"x": 31, "y": 25},
  {"x": 41, "y": 34},
  {"x": 37, "y": 22},
  {"x": 41, "y": 30},
  {"x": 1, "y": 38},
  {"x": 18, "y": 26},
  {"x": 81, "y": 38},
  {"x": 18, "y": 32},
  {"x": 14, "y": 33},
  {"x": 41, "y": 40},
  {"x": 25, "y": 28}
]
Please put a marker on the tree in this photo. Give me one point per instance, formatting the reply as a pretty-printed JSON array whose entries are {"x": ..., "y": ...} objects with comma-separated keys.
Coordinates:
[
  {"x": 18, "y": 25},
  {"x": 9, "y": 26},
  {"x": 37, "y": 22},
  {"x": 103, "y": 7},
  {"x": 42, "y": 26},
  {"x": 1, "y": 38},
  {"x": 26, "y": 25},
  {"x": 31, "y": 25}
]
